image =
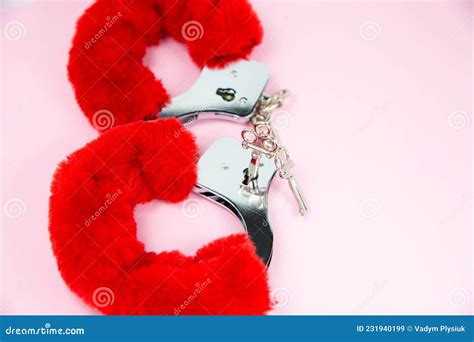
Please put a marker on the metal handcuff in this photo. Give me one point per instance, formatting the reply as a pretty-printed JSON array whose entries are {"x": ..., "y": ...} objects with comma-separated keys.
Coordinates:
[{"x": 232, "y": 173}]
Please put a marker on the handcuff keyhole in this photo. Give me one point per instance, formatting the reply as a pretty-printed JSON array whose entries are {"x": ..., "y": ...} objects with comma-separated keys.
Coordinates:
[{"x": 227, "y": 94}]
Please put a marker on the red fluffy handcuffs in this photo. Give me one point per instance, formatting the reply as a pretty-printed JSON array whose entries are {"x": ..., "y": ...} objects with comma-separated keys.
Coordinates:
[{"x": 94, "y": 191}]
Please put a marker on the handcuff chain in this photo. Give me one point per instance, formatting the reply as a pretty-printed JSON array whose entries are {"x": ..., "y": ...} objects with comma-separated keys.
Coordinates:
[
  {"x": 265, "y": 108},
  {"x": 267, "y": 105},
  {"x": 264, "y": 140}
]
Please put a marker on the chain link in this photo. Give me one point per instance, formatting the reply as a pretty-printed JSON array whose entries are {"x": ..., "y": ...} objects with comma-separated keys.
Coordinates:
[
  {"x": 262, "y": 119},
  {"x": 263, "y": 115},
  {"x": 267, "y": 105}
]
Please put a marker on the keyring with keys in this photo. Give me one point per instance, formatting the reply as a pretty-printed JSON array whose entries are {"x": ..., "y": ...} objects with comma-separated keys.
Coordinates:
[{"x": 232, "y": 173}]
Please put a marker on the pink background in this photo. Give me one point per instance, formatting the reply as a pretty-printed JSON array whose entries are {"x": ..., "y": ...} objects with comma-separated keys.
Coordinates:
[{"x": 379, "y": 125}]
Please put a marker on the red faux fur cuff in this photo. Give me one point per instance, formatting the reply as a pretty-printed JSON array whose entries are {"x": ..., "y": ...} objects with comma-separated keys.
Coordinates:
[
  {"x": 94, "y": 232},
  {"x": 105, "y": 63}
]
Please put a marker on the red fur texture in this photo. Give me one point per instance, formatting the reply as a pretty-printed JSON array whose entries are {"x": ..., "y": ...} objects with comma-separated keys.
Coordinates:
[
  {"x": 105, "y": 63},
  {"x": 93, "y": 230}
]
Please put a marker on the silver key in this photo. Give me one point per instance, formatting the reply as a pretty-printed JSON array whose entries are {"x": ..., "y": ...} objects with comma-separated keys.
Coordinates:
[
  {"x": 262, "y": 139},
  {"x": 284, "y": 165}
]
